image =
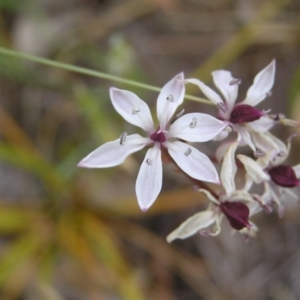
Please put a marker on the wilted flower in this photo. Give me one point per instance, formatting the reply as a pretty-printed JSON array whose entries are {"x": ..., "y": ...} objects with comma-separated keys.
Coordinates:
[
  {"x": 229, "y": 204},
  {"x": 243, "y": 113},
  {"x": 274, "y": 175},
  {"x": 192, "y": 127}
]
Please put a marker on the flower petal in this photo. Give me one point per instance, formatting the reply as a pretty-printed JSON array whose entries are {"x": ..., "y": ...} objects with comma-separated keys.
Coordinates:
[
  {"x": 207, "y": 91},
  {"x": 149, "y": 181},
  {"x": 244, "y": 136},
  {"x": 170, "y": 97},
  {"x": 263, "y": 124},
  {"x": 253, "y": 169},
  {"x": 297, "y": 170},
  {"x": 196, "y": 127},
  {"x": 133, "y": 109},
  {"x": 193, "y": 162},
  {"x": 229, "y": 169},
  {"x": 262, "y": 85},
  {"x": 226, "y": 84},
  {"x": 266, "y": 142},
  {"x": 192, "y": 225},
  {"x": 113, "y": 153}
]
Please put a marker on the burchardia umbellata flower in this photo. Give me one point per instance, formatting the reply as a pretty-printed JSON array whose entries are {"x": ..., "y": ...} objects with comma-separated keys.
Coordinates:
[
  {"x": 192, "y": 127},
  {"x": 243, "y": 117},
  {"x": 230, "y": 204}
]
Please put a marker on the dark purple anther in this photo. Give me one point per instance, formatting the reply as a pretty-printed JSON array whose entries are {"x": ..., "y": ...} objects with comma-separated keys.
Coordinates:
[
  {"x": 158, "y": 135},
  {"x": 237, "y": 214},
  {"x": 245, "y": 113},
  {"x": 284, "y": 176}
]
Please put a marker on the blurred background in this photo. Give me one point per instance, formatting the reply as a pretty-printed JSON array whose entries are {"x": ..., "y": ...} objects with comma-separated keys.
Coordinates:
[{"x": 78, "y": 234}]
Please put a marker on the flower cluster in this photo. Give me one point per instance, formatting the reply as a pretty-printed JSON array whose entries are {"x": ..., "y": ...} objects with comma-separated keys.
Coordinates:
[{"x": 174, "y": 135}]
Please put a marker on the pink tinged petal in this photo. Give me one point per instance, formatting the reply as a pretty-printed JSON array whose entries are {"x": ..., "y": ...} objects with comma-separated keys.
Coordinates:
[
  {"x": 262, "y": 85},
  {"x": 132, "y": 108},
  {"x": 237, "y": 214},
  {"x": 243, "y": 113},
  {"x": 229, "y": 169},
  {"x": 207, "y": 91},
  {"x": 170, "y": 97},
  {"x": 194, "y": 163},
  {"x": 196, "y": 127},
  {"x": 192, "y": 225},
  {"x": 284, "y": 176},
  {"x": 253, "y": 169},
  {"x": 223, "y": 134},
  {"x": 263, "y": 124},
  {"x": 149, "y": 181},
  {"x": 114, "y": 153},
  {"x": 227, "y": 85}
]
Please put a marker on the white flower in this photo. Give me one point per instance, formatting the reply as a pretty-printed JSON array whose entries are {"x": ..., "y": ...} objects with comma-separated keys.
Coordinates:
[
  {"x": 229, "y": 204},
  {"x": 192, "y": 127},
  {"x": 273, "y": 174},
  {"x": 243, "y": 117}
]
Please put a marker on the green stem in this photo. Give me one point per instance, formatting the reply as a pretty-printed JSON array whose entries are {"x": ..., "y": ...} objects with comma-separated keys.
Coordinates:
[{"x": 90, "y": 72}]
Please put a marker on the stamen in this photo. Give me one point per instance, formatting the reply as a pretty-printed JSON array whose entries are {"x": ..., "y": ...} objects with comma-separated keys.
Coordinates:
[
  {"x": 135, "y": 110},
  {"x": 269, "y": 93},
  {"x": 193, "y": 123},
  {"x": 281, "y": 154},
  {"x": 277, "y": 117},
  {"x": 222, "y": 107},
  {"x": 123, "y": 137},
  {"x": 235, "y": 81},
  {"x": 258, "y": 153},
  {"x": 170, "y": 98},
  {"x": 149, "y": 161},
  {"x": 180, "y": 113},
  {"x": 188, "y": 152}
]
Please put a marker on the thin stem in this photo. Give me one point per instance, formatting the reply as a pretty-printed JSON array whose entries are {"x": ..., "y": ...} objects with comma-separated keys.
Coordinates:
[{"x": 81, "y": 70}]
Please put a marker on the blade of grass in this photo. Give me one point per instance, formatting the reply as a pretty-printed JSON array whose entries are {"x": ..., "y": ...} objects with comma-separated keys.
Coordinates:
[{"x": 90, "y": 72}]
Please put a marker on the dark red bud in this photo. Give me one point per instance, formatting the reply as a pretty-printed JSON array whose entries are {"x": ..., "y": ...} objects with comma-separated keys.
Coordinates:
[
  {"x": 284, "y": 176},
  {"x": 245, "y": 113},
  {"x": 158, "y": 136},
  {"x": 237, "y": 214}
]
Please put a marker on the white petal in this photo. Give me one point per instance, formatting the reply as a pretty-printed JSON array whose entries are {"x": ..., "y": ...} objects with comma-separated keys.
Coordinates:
[
  {"x": 224, "y": 82},
  {"x": 228, "y": 169},
  {"x": 244, "y": 136},
  {"x": 113, "y": 153},
  {"x": 133, "y": 109},
  {"x": 297, "y": 170},
  {"x": 223, "y": 134},
  {"x": 263, "y": 124},
  {"x": 192, "y": 225},
  {"x": 170, "y": 97},
  {"x": 207, "y": 91},
  {"x": 221, "y": 150},
  {"x": 196, "y": 127},
  {"x": 262, "y": 85},
  {"x": 210, "y": 196},
  {"x": 253, "y": 169},
  {"x": 267, "y": 142},
  {"x": 149, "y": 181},
  {"x": 193, "y": 162}
]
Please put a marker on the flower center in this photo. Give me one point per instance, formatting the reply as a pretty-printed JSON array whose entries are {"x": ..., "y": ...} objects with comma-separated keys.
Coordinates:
[
  {"x": 237, "y": 214},
  {"x": 245, "y": 113},
  {"x": 158, "y": 135},
  {"x": 284, "y": 176}
]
